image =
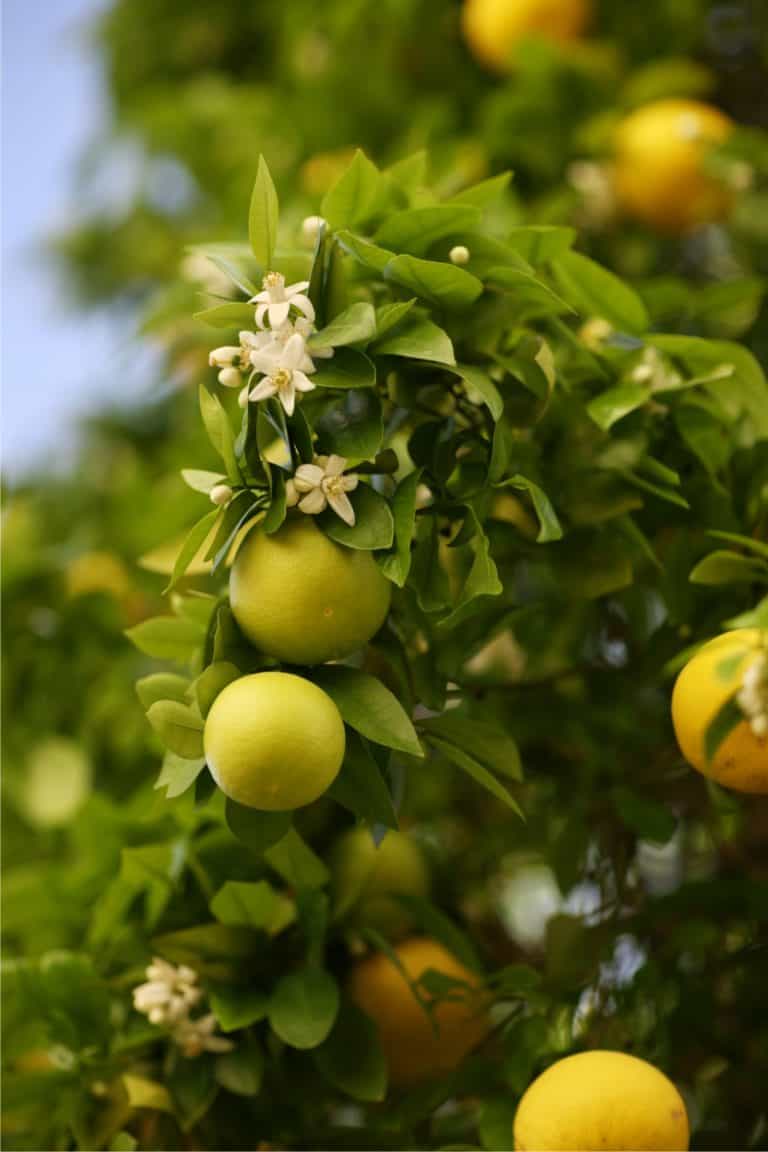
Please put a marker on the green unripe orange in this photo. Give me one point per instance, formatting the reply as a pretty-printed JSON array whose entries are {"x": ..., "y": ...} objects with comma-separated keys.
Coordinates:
[
  {"x": 366, "y": 879},
  {"x": 274, "y": 741},
  {"x": 302, "y": 598}
]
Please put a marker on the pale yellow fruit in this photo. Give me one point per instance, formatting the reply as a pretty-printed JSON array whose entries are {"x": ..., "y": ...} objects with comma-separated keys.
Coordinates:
[
  {"x": 366, "y": 879},
  {"x": 601, "y": 1101},
  {"x": 660, "y": 173},
  {"x": 302, "y": 598},
  {"x": 741, "y": 761},
  {"x": 492, "y": 28},
  {"x": 418, "y": 1045},
  {"x": 98, "y": 572},
  {"x": 274, "y": 741}
]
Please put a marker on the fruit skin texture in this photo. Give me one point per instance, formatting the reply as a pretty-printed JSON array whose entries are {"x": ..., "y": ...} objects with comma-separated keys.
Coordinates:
[
  {"x": 601, "y": 1100},
  {"x": 492, "y": 28},
  {"x": 414, "y": 1051},
  {"x": 741, "y": 761},
  {"x": 660, "y": 176},
  {"x": 274, "y": 741},
  {"x": 364, "y": 878},
  {"x": 302, "y": 598}
]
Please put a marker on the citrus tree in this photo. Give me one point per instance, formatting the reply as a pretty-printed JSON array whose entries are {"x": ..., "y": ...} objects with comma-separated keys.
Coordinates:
[{"x": 422, "y": 829}]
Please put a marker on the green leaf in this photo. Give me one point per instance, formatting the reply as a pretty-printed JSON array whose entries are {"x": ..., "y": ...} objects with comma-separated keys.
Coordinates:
[
  {"x": 706, "y": 436},
  {"x": 258, "y": 905},
  {"x": 242, "y": 1070},
  {"x": 724, "y": 567},
  {"x": 231, "y": 315},
  {"x": 484, "y": 193},
  {"x": 388, "y": 316},
  {"x": 353, "y": 197},
  {"x": 360, "y": 786},
  {"x": 744, "y": 391},
  {"x": 442, "y": 284},
  {"x": 295, "y": 861},
  {"x": 179, "y": 727},
  {"x": 167, "y": 638},
  {"x": 235, "y": 1007},
  {"x": 485, "y": 741},
  {"x": 303, "y": 1007},
  {"x": 728, "y": 717},
  {"x": 277, "y": 511},
  {"x": 263, "y": 216},
  {"x": 539, "y": 244},
  {"x": 349, "y": 368},
  {"x": 191, "y": 547},
  {"x": 410, "y": 173},
  {"x": 219, "y": 431},
  {"x": 352, "y": 428},
  {"x": 351, "y": 1058},
  {"x": 201, "y": 481},
  {"x": 213, "y": 681},
  {"x": 418, "y": 339},
  {"x": 373, "y": 528},
  {"x": 480, "y": 382},
  {"x": 368, "y": 707},
  {"x": 257, "y": 830},
  {"x": 178, "y": 774},
  {"x": 355, "y": 325},
  {"x": 193, "y": 1089},
  {"x": 595, "y": 291},
  {"x": 616, "y": 403},
  {"x": 747, "y": 542},
  {"x": 415, "y": 230},
  {"x": 497, "y": 1118},
  {"x": 123, "y": 1142},
  {"x": 549, "y": 525},
  {"x": 482, "y": 579},
  {"x": 646, "y": 818},
  {"x": 161, "y": 686},
  {"x": 365, "y": 253},
  {"x": 397, "y": 564},
  {"x": 475, "y": 769}
]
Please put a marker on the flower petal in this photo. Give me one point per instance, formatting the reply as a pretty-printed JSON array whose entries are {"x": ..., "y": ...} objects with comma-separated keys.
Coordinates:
[
  {"x": 342, "y": 506},
  {"x": 301, "y": 382},
  {"x": 314, "y": 502},
  {"x": 349, "y": 483},
  {"x": 287, "y": 394},
  {"x": 278, "y": 313},
  {"x": 336, "y": 465},
  {"x": 295, "y": 289},
  {"x": 260, "y": 310},
  {"x": 304, "y": 304},
  {"x": 309, "y": 474},
  {"x": 291, "y": 494},
  {"x": 264, "y": 389}
]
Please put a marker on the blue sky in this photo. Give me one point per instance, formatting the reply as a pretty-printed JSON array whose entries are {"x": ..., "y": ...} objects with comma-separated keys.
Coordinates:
[{"x": 56, "y": 362}]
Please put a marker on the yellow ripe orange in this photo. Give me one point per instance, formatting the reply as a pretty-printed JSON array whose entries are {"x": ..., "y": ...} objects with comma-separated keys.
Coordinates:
[
  {"x": 601, "y": 1101},
  {"x": 367, "y": 878},
  {"x": 302, "y": 598},
  {"x": 274, "y": 741},
  {"x": 492, "y": 28},
  {"x": 419, "y": 1045},
  {"x": 701, "y": 689},
  {"x": 660, "y": 174}
]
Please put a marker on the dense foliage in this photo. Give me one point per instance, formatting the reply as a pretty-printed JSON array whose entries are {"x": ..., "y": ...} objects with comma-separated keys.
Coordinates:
[{"x": 562, "y": 474}]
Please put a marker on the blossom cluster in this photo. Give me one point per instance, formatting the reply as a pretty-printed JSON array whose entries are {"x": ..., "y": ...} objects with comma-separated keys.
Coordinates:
[
  {"x": 275, "y": 356},
  {"x": 753, "y": 696},
  {"x": 167, "y": 1000}
]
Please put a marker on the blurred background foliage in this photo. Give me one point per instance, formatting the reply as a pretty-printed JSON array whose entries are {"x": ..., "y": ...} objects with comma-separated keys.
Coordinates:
[{"x": 197, "y": 90}]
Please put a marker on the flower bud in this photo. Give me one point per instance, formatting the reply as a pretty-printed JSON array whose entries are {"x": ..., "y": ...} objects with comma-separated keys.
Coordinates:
[
  {"x": 224, "y": 357},
  {"x": 230, "y": 377},
  {"x": 221, "y": 494},
  {"x": 459, "y": 254},
  {"x": 310, "y": 227}
]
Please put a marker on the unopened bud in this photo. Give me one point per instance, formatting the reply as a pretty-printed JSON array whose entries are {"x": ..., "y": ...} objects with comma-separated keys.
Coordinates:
[
  {"x": 310, "y": 227},
  {"x": 459, "y": 254},
  {"x": 221, "y": 494},
  {"x": 230, "y": 377}
]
